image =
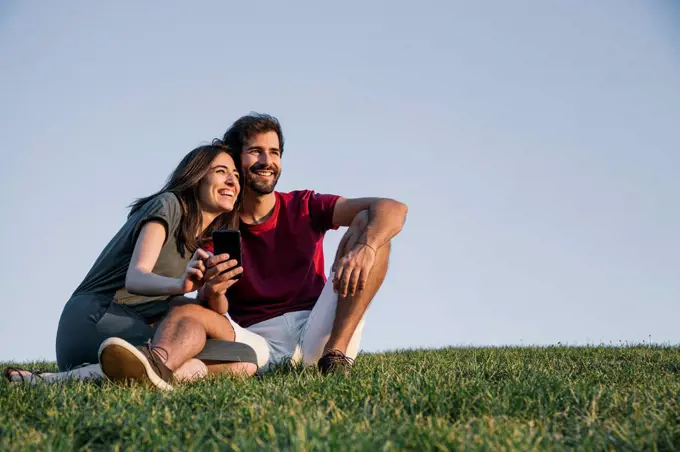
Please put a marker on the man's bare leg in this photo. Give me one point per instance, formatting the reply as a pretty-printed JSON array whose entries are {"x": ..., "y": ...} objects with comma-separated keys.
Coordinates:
[
  {"x": 234, "y": 369},
  {"x": 351, "y": 309},
  {"x": 183, "y": 333},
  {"x": 195, "y": 369},
  {"x": 180, "y": 337}
]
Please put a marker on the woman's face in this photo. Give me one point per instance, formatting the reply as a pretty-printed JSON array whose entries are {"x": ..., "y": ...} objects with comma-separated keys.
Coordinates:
[{"x": 219, "y": 188}]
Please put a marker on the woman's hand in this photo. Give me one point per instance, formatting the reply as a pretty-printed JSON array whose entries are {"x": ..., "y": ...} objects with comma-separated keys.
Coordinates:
[
  {"x": 192, "y": 279},
  {"x": 219, "y": 276}
]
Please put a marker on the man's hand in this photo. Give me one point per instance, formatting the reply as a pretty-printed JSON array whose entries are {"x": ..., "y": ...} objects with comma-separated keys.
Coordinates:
[
  {"x": 353, "y": 269},
  {"x": 349, "y": 240}
]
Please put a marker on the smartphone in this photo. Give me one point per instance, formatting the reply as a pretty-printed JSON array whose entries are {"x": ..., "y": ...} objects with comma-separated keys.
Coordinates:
[{"x": 228, "y": 241}]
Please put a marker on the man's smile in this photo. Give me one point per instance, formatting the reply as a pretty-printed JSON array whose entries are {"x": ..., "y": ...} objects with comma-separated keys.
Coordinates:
[{"x": 264, "y": 173}]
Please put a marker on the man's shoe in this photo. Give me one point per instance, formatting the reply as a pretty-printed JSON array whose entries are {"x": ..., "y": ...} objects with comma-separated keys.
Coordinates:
[
  {"x": 122, "y": 361},
  {"x": 335, "y": 361}
]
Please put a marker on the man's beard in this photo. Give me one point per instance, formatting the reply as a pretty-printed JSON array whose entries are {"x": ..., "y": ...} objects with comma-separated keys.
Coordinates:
[{"x": 256, "y": 184}]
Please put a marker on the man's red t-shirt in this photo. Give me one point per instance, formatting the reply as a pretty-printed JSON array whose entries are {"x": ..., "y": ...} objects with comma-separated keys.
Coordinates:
[{"x": 283, "y": 262}]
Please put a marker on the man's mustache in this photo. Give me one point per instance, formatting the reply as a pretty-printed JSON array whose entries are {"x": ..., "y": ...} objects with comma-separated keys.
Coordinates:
[{"x": 261, "y": 167}]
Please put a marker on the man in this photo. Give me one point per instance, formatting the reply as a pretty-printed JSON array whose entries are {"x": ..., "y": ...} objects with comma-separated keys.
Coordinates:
[{"x": 283, "y": 305}]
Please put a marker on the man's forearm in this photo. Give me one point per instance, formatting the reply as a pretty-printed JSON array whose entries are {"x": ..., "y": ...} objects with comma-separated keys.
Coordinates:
[
  {"x": 386, "y": 218},
  {"x": 217, "y": 302}
]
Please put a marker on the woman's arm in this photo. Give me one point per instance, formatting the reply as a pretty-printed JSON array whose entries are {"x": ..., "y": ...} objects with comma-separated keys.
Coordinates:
[{"x": 140, "y": 279}]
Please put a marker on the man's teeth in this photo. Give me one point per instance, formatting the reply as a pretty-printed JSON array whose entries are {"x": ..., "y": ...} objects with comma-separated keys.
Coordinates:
[{"x": 263, "y": 173}]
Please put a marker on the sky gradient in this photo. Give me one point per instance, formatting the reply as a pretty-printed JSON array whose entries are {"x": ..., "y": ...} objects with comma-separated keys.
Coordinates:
[{"x": 537, "y": 145}]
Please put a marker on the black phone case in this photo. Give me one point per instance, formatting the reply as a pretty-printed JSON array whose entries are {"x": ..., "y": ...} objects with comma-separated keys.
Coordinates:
[{"x": 228, "y": 241}]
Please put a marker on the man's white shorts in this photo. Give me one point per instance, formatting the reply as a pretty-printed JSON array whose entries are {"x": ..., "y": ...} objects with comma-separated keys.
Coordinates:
[{"x": 299, "y": 336}]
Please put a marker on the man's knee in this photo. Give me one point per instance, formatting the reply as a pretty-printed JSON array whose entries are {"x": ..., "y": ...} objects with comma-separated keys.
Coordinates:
[{"x": 216, "y": 326}]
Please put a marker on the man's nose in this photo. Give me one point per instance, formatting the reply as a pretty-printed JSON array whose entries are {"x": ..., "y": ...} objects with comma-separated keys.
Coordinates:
[{"x": 265, "y": 159}]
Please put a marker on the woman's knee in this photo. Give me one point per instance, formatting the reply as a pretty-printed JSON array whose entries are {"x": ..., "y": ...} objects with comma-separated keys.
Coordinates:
[
  {"x": 75, "y": 349},
  {"x": 72, "y": 353}
]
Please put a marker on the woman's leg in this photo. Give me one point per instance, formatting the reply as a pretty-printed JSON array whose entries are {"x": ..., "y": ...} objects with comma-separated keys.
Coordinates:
[
  {"x": 87, "y": 320},
  {"x": 86, "y": 372},
  {"x": 218, "y": 356},
  {"x": 76, "y": 344}
]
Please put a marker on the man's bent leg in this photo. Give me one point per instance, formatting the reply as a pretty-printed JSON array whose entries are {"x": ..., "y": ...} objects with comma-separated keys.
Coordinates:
[
  {"x": 181, "y": 336},
  {"x": 225, "y": 357},
  {"x": 337, "y": 322},
  {"x": 234, "y": 369},
  {"x": 195, "y": 369},
  {"x": 183, "y": 333},
  {"x": 351, "y": 309}
]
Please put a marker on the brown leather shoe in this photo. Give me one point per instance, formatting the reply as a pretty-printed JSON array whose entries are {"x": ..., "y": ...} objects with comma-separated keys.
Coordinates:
[
  {"x": 122, "y": 361},
  {"x": 335, "y": 361}
]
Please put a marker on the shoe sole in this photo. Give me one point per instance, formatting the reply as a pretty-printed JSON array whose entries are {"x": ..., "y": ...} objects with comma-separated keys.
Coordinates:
[{"x": 121, "y": 361}]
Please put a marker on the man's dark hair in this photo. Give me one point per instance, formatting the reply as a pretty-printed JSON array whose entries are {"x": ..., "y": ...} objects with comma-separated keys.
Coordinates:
[{"x": 246, "y": 127}]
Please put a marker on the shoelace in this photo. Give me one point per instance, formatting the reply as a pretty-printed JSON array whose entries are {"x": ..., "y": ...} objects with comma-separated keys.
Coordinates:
[
  {"x": 156, "y": 353},
  {"x": 19, "y": 371},
  {"x": 33, "y": 373},
  {"x": 336, "y": 356}
]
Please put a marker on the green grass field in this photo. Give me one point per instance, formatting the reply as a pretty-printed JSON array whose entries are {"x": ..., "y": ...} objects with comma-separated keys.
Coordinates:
[{"x": 494, "y": 399}]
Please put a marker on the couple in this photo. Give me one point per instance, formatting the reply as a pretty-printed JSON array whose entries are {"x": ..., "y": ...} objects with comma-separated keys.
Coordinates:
[{"x": 130, "y": 319}]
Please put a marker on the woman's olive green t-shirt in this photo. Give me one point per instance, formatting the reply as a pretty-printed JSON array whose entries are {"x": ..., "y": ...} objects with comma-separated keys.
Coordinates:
[{"x": 107, "y": 275}]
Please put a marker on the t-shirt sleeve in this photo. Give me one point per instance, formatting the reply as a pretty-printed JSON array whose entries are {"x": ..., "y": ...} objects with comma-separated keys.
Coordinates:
[
  {"x": 164, "y": 208},
  {"x": 321, "y": 208}
]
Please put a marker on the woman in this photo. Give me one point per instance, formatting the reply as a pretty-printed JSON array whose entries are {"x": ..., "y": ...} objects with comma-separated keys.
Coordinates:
[{"x": 155, "y": 255}]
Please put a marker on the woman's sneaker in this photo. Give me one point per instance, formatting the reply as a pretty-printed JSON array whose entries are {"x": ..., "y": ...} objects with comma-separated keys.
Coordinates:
[{"x": 122, "y": 361}]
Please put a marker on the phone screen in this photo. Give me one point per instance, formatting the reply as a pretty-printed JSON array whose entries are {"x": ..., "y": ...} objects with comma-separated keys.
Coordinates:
[{"x": 228, "y": 241}]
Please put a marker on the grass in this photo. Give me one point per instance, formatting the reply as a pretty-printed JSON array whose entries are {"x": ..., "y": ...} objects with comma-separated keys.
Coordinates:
[{"x": 555, "y": 398}]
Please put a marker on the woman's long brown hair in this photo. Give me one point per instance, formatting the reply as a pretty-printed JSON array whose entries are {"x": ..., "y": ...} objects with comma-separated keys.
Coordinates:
[{"x": 183, "y": 182}]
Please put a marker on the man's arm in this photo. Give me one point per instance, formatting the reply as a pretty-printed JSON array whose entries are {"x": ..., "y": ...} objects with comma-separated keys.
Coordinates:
[
  {"x": 386, "y": 217},
  {"x": 215, "y": 300}
]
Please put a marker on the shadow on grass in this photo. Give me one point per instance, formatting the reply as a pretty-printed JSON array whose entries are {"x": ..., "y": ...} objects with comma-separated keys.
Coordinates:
[{"x": 96, "y": 436}]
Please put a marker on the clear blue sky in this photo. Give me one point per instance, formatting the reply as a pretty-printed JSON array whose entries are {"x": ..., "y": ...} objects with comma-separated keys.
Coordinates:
[{"x": 536, "y": 143}]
